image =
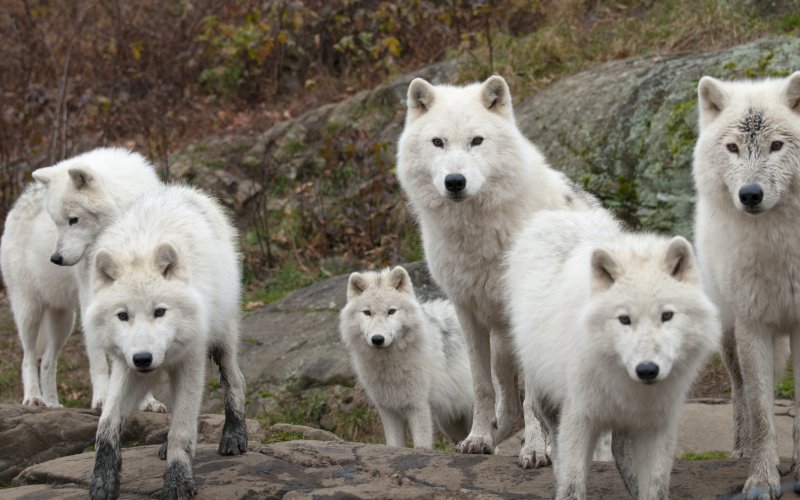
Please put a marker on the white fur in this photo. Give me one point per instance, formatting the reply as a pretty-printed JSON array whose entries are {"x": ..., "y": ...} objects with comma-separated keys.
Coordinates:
[
  {"x": 420, "y": 371},
  {"x": 751, "y": 258},
  {"x": 571, "y": 278},
  {"x": 465, "y": 237},
  {"x": 173, "y": 251},
  {"x": 94, "y": 188}
]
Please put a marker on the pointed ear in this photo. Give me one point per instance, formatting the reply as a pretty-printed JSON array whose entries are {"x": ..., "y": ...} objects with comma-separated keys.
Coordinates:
[
  {"x": 356, "y": 285},
  {"x": 81, "y": 177},
  {"x": 605, "y": 270},
  {"x": 167, "y": 260},
  {"x": 679, "y": 261},
  {"x": 106, "y": 269},
  {"x": 496, "y": 96},
  {"x": 712, "y": 98},
  {"x": 792, "y": 92},
  {"x": 43, "y": 175},
  {"x": 401, "y": 281},
  {"x": 420, "y": 97}
]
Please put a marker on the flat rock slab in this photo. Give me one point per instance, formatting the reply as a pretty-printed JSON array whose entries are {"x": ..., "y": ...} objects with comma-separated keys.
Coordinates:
[{"x": 317, "y": 469}]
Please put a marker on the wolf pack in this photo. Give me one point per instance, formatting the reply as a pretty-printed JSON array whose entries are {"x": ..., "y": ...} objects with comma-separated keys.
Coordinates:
[{"x": 558, "y": 318}]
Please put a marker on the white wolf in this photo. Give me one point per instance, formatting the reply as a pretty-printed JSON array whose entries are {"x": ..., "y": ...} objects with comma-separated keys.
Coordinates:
[
  {"x": 56, "y": 220},
  {"x": 747, "y": 174},
  {"x": 410, "y": 357},
  {"x": 165, "y": 286},
  {"x": 472, "y": 180},
  {"x": 611, "y": 329}
]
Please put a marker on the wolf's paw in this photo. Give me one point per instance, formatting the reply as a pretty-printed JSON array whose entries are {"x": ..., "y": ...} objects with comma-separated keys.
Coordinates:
[
  {"x": 104, "y": 486},
  {"x": 475, "y": 445},
  {"x": 530, "y": 458},
  {"x": 162, "y": 451},
  {"x": 178, "y": 482},
  {"x": 154, "y": 406},
  {"x": 34, "y": 401},
  {"x": 739, "y": 453},
  {"x": 233, "y": 444},
  {"x": 762, "y": 488}
]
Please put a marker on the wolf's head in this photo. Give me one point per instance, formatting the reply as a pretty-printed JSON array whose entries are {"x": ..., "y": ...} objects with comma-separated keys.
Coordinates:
[
  {"x": 381, "y": 310},
  {"x": 648, "y": 307},
  {"x": 142, "y": 307},
  {"x": 457, "y": 141},
  {"x": 749, "y": 140},
  {"x": 86, "y": 192}
]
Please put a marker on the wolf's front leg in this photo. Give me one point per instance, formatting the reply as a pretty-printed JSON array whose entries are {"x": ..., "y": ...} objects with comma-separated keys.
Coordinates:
[
  {"x": 622, "y": 450},
  {"x": 393, "y": 427},
  {"x": 98, "y": 368},
  {"x": 741, "y": 418},
  {"x": 534, "y": 452},
  {"x": 575, "y": 441},
  {"x": 234, "y": 433},
  {"x": 186, "y": 383},
  {"x": 652, "y": 462},
  {"x": 123, "y": 393},
  {"x": 505, "y": 369},
  {"x": 420, "y": 422},
  {"x": 795, "y": 343},
  {"x": 755, "y": 349},
  {"x": 476, "y": 336}
]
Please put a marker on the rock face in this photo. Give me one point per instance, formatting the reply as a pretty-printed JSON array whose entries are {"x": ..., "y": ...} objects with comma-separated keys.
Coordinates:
[
  {"x": 31, "y": 435},
  {"x": 324, "y": 469}
]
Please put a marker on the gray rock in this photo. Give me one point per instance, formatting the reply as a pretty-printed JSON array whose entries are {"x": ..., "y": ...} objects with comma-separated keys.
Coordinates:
[{"x": 318, "y": 469}]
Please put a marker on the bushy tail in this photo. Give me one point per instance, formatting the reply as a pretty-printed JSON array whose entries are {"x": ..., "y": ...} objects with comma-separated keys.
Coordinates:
[{"x": 780, "y": 356}]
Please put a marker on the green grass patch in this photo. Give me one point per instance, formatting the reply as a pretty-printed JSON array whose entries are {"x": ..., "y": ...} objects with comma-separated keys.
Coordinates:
[
  {"x": 279, "y": 437},
  {"x": 706, "y": 455},
  {"x": 214, "y": 383},
  {"x": 287, "y": 279},
  {"x": 443, "y": 445},
  {"x": 785, "y": 387}
]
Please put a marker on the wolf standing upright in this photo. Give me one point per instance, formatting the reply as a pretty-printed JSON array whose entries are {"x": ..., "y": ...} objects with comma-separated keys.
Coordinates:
[
  {"x": 747, "y": 174},
  {"x": 472, "y": 180}
]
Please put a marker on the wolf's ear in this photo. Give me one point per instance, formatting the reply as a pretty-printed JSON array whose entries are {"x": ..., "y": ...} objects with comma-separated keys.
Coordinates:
[
  {"x": 81, "y": 177},
  {"x": 792, "y": 92},
  {"x": 496, "y": 96},
  {"x": 167, "y": 260},
  {"x": 43, "y": 175},
  {"x": 356, "y": 285},
  {"x": 105, "y": 267},
  {"x": 420, "y": 97},
  {"x": 605, "y": 270},
  {"x": 713, "y": 99},
  {"x": 400, "y": 280},
  {"x": 679, "y": 260}
]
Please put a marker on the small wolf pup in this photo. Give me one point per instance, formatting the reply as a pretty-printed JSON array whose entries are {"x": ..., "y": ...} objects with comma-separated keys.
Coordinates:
[
  {"x": 165, "y": 286},
  {"x": 410, "y": 357},
  {"x": 611, "y": 329},
  {"x": 472, "y": 180},
  {"x": 747, "y": 174}
]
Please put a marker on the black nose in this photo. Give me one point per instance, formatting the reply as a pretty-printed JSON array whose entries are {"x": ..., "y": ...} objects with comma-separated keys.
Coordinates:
[
  {"x": 57, "y": 259},
  {"x": 142, "y": 359},
  {"x": 377, "y": 340},
  {"x": 751, "y": 195},
  {"x": 647, "y": 371},
  {"x": 455, "y": 183}
]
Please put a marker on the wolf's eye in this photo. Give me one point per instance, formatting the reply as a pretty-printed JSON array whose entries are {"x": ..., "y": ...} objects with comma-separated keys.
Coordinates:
[
  {"x": 159, "y": 312},
  {"x": 733, "y": 148},
  {"x": 123, "y": 316},
  {"x": 392, "y": 311},
  {"x": 776, "y": 146},
  {"x": 666, "y": 316},
  {"x": 477, "y": 140},
  {"x": 72, "y": 221},
  {"x": 367, "y": 313},
  {"x": 438, "y": 142},
  {"x": 624, "y": 319}
]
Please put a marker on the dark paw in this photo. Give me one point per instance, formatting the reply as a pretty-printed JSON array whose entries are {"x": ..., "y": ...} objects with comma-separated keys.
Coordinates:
[
  {"x": 178, "y": 482},
  {"x": 104, "y": 486},
  {"x": 233, "y": 444},
  {"x": 162, "y": 451}
]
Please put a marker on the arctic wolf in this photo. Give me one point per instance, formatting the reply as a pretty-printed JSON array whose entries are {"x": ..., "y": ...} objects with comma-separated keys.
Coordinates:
[
  {"x": 165, "y": 285},
  {"x": 747, "y": 174},
  {"x": 56, "y": 220},
  {"x": 410, "y": 357},
  {"x": 472, "y": 180},
  {"x": 611, "y": 329}
]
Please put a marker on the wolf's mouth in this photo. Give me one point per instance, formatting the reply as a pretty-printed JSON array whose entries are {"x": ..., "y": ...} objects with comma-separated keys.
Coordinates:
[{"x": 456, "y": 197}]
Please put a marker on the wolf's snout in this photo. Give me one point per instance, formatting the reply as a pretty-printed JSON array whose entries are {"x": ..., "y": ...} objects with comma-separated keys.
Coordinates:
[
  {"x": 647, "y": 372},
  {"x": 142, "y": 360},
  {"x": 57, "y": 259},
  {"x": 377, "y": 340},
  {"x": 455, "y": 183},
  {"x": 751, "y": 195}
]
